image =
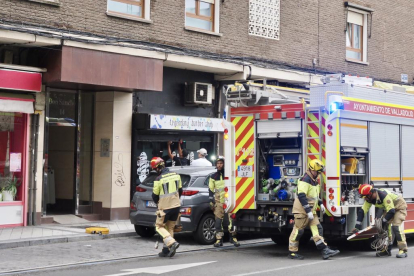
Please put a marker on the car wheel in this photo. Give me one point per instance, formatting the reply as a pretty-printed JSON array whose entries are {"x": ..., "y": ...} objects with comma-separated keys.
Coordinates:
[
  {"x": 206, "y": 232},
  {"x": 280, "y": 239},
  {"x": 145, "y": 231}
]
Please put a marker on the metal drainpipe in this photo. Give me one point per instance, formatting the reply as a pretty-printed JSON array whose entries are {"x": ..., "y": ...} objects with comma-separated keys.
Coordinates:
[
  {"x": 30, "y": 203},
  {"x": 36, "y": 138}
]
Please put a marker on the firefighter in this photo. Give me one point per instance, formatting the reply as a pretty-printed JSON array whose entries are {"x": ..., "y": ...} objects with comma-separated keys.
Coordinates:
[
  {"x": 395, "y": 212},
  {"x": 217, "y": 198},
  {"x": 166, "y": 194},
  {"x": 304, "y": 210}
]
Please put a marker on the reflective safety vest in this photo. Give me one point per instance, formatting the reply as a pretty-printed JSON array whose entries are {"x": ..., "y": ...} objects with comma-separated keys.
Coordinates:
[
  {"x": 386, "y": 200},
  {"x": 166, "y": 186},
  {"x": 311, "y": 189},
  {"x": 216, "y": 185}
]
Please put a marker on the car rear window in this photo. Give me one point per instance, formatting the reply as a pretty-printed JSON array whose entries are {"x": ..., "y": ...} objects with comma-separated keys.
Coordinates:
[{"x": 149, "y": 181}]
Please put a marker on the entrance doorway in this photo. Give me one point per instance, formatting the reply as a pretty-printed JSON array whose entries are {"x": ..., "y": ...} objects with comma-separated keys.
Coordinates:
[{"x": 67, "y": 179}]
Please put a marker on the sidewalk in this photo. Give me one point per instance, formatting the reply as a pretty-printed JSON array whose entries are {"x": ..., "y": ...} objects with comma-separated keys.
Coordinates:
[{"x": 61, "y": 233}]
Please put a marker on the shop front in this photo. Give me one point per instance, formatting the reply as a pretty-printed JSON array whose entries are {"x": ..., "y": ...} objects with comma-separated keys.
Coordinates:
[
  {"x": 16, "y": 103},
  {"x": 152, "y": 132}
]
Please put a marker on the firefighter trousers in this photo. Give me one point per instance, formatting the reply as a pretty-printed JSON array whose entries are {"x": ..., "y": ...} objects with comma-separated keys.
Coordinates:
[
  {"x": 219, "y": 214},
  {"x": 301, "y": 222},
  {"x": 164, "y": 225},
  {"x": 396, "y": 229}
]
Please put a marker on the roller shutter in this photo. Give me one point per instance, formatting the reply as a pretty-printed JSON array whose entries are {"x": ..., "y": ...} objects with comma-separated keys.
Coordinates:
[
  {"x": 279, "y": 128},
  {"x": 354, "y": 133},
  {"x": 385, "y": 152},
  {"x": 407, "y": 152}
]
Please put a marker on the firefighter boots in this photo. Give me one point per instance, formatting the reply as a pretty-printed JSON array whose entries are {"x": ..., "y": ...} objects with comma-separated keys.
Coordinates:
[
  {"x": 219, "y": 242},
  {"x": 295, "y": 256},
  {"x": 327, "y": 253},
  {"x": 234, "y": 241},
  {"x": 164, "y": 252},
  {"x": 401, "y": 254},
  {"x": 173, "y": 248}
]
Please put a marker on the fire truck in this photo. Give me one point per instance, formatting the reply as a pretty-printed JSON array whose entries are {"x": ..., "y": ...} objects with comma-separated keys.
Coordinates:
[{"x": 363, "y": 134}]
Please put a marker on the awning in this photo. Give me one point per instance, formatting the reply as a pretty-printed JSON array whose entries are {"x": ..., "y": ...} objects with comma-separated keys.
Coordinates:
[
  {"x": 20, "y": 80},
  {"x": 394, "y": 87},
  {"x": 22, "y": 103}
]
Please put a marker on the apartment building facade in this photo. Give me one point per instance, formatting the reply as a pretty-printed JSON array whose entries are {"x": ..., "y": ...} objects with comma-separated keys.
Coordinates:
[{"x": 75, "y": 73}]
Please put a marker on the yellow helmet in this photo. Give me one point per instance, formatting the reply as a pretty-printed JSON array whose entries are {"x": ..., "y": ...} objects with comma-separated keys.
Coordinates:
[{"x": 316, "y": 165}]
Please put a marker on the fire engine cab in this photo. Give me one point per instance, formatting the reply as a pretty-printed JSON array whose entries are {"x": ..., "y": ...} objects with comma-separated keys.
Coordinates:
[{"x": 362, "y": 134}]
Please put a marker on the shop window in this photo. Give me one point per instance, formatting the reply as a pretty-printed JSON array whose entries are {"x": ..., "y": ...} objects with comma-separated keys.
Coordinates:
[
  {"x": 202, "y": 15},
  {"x": 130, "y": 9},
  {"x": 12, "y": 141},
  {"x": 356, "y": 36}
]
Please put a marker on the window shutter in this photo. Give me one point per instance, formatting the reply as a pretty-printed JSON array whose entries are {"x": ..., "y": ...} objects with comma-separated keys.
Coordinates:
[{"x": 355, "y": 18}]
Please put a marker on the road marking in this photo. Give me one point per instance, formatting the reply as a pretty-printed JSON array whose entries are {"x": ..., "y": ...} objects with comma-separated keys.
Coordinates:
[
  {"x": 292, "y": 266},
  {"x": 158, "y": 269}
]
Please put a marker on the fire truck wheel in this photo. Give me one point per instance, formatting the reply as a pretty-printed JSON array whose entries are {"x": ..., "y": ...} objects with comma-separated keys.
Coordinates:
[
  {"x": 205, "y": 233},
  {"x": 280, "y": 239},
  {"x": 145, "y": 231}
]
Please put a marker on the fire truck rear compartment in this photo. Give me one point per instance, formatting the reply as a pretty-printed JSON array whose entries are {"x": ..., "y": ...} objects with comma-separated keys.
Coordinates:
[{"x": 280, "y": 165}]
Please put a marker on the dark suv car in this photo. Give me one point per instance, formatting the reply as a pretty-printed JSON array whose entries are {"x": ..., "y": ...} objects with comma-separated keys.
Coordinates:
[{"x": 196, "y": 215}]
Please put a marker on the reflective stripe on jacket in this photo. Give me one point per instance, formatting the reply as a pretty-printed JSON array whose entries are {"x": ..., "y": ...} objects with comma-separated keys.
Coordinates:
[
  {"x": 311, "y": 189},
  {"x": 386, "y": 200},
  {"x": 216, "y": 185},
  {"x": 166, "y": 186}
]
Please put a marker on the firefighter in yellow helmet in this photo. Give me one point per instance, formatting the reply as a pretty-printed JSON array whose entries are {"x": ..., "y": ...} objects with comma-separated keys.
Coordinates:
[
  {"x": 395, "y": 212},
  {"x": 217, "y": 198},
  {"x": 166, "y": 194},
  {"x": 304, "y": 210}
]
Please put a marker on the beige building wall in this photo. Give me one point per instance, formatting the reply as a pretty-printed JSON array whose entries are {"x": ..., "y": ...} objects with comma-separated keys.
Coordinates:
[{"x": 113, "y": 121}]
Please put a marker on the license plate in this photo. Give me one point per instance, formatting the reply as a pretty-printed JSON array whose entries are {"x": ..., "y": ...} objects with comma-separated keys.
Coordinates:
[
  {"x": 245, "y": 171},
  {"x": 151, "y": 204}
]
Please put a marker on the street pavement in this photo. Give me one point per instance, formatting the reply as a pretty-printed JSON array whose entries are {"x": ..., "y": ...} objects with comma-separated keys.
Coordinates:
[
  {"x": 133, "y": 256},
  {"x": 62, "y": 233}
]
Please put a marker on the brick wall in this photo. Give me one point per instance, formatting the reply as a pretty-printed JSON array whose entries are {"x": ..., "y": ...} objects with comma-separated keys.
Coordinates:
[{"x": 309, "y": 29}]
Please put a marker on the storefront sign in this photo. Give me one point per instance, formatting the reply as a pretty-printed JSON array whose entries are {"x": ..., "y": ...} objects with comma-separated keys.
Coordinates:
[
  {"x": 186, "y": 123},
  {"x": 22, "y": 81},
  {"x": 379, "y": 108},
  {"x": 15, "y": 162}
]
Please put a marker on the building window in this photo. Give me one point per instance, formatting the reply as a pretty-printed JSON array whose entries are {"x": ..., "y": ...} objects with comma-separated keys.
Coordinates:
[
  {"x": 264, "y": 18},
  {"x": 138, "y": 10},
  {"x": 128, "y": 7},
  {"x": 200, "y": 14},
  {"x": 356, "y": 36}
]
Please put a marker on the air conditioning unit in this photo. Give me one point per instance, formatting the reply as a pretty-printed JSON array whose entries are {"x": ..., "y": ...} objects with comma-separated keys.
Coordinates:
[{"x": 199, "y": 93}]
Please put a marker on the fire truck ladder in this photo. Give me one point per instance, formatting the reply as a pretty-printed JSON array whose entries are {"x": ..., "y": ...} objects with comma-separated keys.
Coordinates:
[
  {"x": 249, "y": 93},
  {"x": 309, "y": 139},
  {"x": 320, "y": 137}
]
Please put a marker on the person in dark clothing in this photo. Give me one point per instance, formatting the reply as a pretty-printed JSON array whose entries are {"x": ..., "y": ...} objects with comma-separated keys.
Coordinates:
[{"x": 183, "y": 153}]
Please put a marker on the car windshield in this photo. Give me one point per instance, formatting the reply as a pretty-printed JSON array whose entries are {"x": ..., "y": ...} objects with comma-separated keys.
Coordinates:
[{"x": 149, "y": 181}]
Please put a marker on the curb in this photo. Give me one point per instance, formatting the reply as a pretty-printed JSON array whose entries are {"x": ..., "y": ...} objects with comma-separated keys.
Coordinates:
[{"x": 44, "y": 241}]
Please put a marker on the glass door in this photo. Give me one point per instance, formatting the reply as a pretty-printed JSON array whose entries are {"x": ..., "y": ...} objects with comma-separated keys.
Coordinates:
[{"x": 68, "y": 152}]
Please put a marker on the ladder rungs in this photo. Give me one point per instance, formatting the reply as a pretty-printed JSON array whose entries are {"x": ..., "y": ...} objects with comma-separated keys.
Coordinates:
[
  {"x": 314, "y": 122},
  {"x": 313, "y": 138}
]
